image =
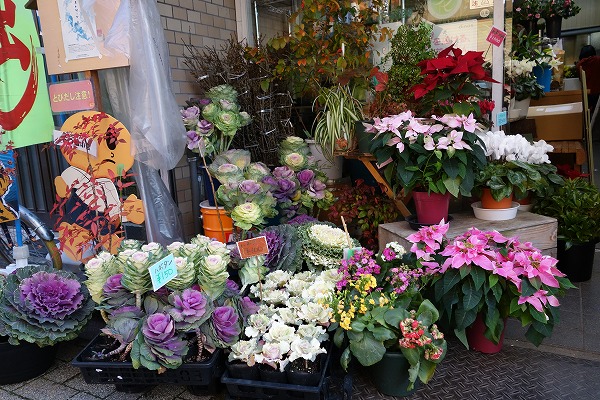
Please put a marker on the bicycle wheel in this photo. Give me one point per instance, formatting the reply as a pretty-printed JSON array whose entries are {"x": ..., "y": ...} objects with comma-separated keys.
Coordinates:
[{"x": 39, "y": 248}]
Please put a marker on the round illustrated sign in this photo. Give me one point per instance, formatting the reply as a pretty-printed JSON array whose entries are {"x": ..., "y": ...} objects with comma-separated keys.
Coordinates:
[{"x": 443, "y": 9}]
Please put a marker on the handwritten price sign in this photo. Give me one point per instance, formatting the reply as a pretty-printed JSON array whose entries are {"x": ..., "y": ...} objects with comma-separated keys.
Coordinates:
[
  {"x": 253, "y": 247},
  {"x": 496, "y": 36},
  {"x": 162, "y": 272}
]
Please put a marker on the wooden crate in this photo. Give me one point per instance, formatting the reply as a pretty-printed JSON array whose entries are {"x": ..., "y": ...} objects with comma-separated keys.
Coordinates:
[{"x": 528, "y": 227}]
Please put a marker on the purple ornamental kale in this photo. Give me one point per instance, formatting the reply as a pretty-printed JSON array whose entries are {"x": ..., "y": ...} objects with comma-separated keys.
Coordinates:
[
  {"x": 232, "y": 285},
  {"x": 301, "y": 219},
  {"x": 159, "y": 345},
  {"x": 190, "y": 113},
  {"x": 205, "y": 127},
  {"x": 274, "y": 244},
  {"x": 283, "y": 172},
  {"x": 317, "y": 189},
  {"x": 190, "y": 309},
  {"x": 305, "y": 177},
  {"x": 225, "y": 323},
  {"x": 248, "y": 307},
  {"x": 285, "y": 190},
  {"x": 249, "y": 186},
  {"x": 114, "y": 294},
  {"x": 51, "y": 296}
]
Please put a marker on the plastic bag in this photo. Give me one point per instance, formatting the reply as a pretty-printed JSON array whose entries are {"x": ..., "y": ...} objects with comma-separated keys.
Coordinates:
[{"x": 117, "y": 37}]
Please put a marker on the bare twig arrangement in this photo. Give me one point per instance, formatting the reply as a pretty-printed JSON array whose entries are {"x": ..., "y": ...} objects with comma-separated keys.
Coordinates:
[{"x": 269, "y": 107}]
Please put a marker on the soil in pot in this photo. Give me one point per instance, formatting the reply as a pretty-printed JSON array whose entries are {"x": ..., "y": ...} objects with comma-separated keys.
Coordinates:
[{"x": 305, "y": 372}]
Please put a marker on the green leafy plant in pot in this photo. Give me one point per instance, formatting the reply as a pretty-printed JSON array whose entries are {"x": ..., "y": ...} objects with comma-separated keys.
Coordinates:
[{"x": 576, "y": 206}]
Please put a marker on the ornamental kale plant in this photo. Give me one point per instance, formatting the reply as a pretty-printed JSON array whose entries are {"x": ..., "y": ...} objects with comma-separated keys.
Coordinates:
[
  {"x": 211, "y": 130},
  {"x": 184, "y": 321},
  {"x": 43, "y": 306},
  {"x": 323, "y": 245}
]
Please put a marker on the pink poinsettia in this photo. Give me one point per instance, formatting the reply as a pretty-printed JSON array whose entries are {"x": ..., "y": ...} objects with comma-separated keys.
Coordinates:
[{"x": 539, "y": 299}]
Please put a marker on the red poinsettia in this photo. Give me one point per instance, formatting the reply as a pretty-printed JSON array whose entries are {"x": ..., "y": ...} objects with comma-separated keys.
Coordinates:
[{"x": 451, "y": 65}]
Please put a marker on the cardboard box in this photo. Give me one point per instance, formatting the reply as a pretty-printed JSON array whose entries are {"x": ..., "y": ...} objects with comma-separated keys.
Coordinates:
[
  {"x": 558, "y": 122},
  {"x": 561, "y": 97}
]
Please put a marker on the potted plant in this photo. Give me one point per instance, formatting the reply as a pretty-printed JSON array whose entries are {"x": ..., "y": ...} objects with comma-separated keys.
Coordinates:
[
  {"x": 554, "y": 11},
  {"x": 522, "y": 83},
  {"x": 378, "y": 310},
  {"x": 527, "y": 13},
  {"x": 449, "y": 85},
  {"x": 438, "y": 157},
  {"x": 286, "y": 340},
  {"x": 39, "y": 307},
  {"x": 362, "y": 207},
  {"x": 159, "y": 336},
  {"x": 323, "y": 244},
  {"x": 576, "y": 206},
  {"x": 515, "y": 167},
  {"x": 486, "y": 276},
  {"x": 339, "y": 110}
]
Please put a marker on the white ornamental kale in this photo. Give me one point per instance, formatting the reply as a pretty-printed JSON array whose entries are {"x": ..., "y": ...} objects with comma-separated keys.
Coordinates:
[
  {"x": 310, "y": 331},
  {"x": 323, "y": 245},
  {"x": 258, "y": 324},
  {"x": 307, "y": 349},
  {"x": 288, "y": 316},
  {"x": 245, "y": 350},
  {"x": 273, "y": 354},
  {"x": 280, "y": 332},
  {"x": 315, "y": 312}
]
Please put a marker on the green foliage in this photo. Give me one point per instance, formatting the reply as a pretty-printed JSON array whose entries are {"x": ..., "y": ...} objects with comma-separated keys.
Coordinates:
[
  {"x": 576, "y": 206},
  {"x": 410, "y": 45}
]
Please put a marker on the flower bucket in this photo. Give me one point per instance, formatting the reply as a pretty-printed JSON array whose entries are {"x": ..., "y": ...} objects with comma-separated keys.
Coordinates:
[
  {"x": 431, "y": 207},
  {"x": 363, "y": 137},
  {"x": 487, "y": 201},
  {"x": 523, "y": 106},
  {"x": 390, "y": 375},
  {"x": 530, "y": 25},
  {"x": 210, "y": 222},
  {"x": 333, "y": 170},
  {"x": 478, "y": 341},
  {"x": 543, "y": 77},
  {"x": 24, "y": 361},
  {"x": 576, "y": 262},
  {"x": 553, "y": 27}
]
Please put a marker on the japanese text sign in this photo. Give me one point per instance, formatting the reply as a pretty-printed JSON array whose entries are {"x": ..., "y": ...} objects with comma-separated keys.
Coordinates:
[
  {"x": 496, "y": 36},
  {"x": 71, "y": 96},
  {"x": 253, "y": 247},
  {"x": 24, "y": 107},
  {"x": 162, "y": 272}
]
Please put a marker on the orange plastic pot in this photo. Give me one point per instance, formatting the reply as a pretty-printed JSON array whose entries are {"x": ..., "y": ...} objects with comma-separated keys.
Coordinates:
[
  {"x": 211, "y": 225},
  {"x": 487, "y": 201}
]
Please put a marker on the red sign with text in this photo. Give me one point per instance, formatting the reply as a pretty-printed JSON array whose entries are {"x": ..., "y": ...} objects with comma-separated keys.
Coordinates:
[
  {"x": 71, "y": 96},
  {"x": 496, "y": 36}
]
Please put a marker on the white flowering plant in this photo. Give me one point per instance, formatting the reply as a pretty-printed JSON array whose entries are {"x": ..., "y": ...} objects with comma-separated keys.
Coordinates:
[
  {"x": 290, "y": 325},
  {"x": 323, "y": 244},
  {"x": 521, "y": 80},
  {"x": 516, "y": 166}
]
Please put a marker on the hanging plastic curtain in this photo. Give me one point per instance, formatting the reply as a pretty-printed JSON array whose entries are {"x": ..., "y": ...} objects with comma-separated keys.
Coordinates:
[{"x": 141, "y": 97}]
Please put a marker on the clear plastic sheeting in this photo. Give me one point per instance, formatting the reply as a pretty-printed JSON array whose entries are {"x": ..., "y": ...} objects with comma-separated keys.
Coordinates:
[
  {"x": 156, "y": 128},
  {"x": 141, "y": 98},
  {"x": 117, "y": 37}
]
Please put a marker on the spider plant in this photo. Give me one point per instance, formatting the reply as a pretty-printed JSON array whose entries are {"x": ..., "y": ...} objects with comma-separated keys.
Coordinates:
[{"x": 334, "y": 125}]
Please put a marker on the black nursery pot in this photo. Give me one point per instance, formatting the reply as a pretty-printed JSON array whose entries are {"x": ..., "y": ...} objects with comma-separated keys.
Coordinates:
[
  {"x": 576, "y": 262},
  {"x": 24, "y": 361},
  {"x": 269, "y": 374},
  {"x": 239, "y": 370}
]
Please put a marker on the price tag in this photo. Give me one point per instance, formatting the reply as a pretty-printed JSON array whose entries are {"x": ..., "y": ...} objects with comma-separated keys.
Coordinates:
[
  {"x": 501, "y": 118},
  {"x": 349, "y": 253},
  {"x": 162, "y": 272},
  {"x": 253, "y": 247},
  {"x": 496, "y": 36}
]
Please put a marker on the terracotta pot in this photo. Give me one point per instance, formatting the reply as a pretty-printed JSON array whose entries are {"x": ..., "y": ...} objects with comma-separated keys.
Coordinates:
[{"x": 487, "y": 201}]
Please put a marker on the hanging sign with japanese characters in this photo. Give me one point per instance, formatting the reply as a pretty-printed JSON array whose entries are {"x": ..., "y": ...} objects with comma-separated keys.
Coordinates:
[
  {"x": 24, "y": 107},
  {"x": 71, "y": 96}
]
